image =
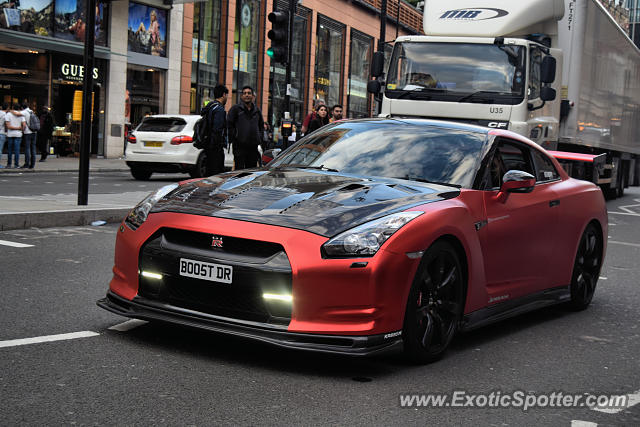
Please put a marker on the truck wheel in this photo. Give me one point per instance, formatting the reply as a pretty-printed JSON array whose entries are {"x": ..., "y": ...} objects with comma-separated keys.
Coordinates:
[
  {"x": 141, "y": 174},
  {"x": 200, "y": 168}
]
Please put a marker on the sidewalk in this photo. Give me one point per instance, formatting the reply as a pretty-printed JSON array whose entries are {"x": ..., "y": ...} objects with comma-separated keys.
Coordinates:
[{"x": 18, "y": 212}]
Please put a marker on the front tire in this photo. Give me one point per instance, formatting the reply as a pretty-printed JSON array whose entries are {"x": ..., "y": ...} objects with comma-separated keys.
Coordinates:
[
  {"x": 586, "y": 268},
  {"x": 435, "y": 304}
]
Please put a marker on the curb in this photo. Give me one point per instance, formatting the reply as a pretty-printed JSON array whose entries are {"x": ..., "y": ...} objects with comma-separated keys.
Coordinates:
[
  {"x": 45, "y": 219},
  {"x": 62, "y": 170}
]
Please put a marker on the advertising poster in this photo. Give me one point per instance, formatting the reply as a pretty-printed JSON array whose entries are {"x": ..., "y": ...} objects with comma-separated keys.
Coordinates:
[
  {"x": 147, "y": 29},
  {"x": 70, "y": 23},
  {"x": 28, "y": 16}
]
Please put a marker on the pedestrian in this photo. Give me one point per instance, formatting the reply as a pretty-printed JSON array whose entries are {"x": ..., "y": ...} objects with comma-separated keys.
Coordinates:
[
  {"x": 217, "y": 123},
  {"x": 267, "y": 137},
  {"x": 246, "y": 126},
  {"x": 322, "y": 118},
  {"x": 29, "y": 139},
  {"x": 45, "y": 132},
  {"x": 14, "y": 123},
  {"x": 311, "y": 116},
  {"x": 3, "y": 130},
  {"x": 336, "y": 113}
]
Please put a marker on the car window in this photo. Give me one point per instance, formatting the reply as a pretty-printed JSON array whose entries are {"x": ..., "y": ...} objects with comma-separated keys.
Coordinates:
[
  {"x": 508, "y": 156},
  {"x": 162, "y": 124},
  {"x": 545, "y": 170}
]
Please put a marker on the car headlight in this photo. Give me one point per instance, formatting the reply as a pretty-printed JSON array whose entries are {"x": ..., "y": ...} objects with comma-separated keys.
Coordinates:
[
  {"x": 365, "y": 240},
  {"x": 139, "y": 214}
]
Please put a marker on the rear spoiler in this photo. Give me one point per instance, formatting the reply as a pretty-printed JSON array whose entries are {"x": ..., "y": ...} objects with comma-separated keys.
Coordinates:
[
  {"x": 579, "y": 157},
  {"x": 593, "y": 165}
]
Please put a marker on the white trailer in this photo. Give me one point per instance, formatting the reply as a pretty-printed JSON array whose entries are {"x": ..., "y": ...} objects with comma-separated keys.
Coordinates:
[{"x": 560, "y": 72}]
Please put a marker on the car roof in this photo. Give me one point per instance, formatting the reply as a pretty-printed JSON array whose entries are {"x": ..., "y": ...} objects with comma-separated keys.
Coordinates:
[{"x": 179, "y": 116}]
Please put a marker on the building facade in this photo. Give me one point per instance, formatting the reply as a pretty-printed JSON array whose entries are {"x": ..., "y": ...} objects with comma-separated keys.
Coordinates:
[{"x": 162, "y": 56}]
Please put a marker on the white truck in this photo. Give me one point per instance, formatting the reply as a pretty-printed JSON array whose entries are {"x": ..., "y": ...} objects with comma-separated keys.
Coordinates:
[{"x": 560, "y": 72}]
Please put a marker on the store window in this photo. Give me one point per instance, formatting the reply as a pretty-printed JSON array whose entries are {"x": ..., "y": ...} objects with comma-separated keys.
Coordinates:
[
  {"x": 360, "y": 64},
  {"x": 205, "y": 51},
  {"x": 37, "y": 17},
  {"x": 147, "y": 30},
  {"x": 247, "y": 40},
  {"x": 277, "y": 78},
  {"x": 41, "y": 78},
  {"x": 329, "y": 54},
  {"x": 145, "y": 93}
]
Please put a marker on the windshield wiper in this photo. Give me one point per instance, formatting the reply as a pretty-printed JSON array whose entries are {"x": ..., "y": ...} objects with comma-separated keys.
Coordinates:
[
  {"x": 475, "y": 96},
  {"x": 425, "y": 92},
  {"x": 299, "y": 166},
  {"x": 418, "y": 179}
]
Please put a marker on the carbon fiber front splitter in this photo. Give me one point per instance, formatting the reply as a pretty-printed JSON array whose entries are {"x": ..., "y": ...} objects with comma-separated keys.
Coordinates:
[{"x": 145, "y": 309}]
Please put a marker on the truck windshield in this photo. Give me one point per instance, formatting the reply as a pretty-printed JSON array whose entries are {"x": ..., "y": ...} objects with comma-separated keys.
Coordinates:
[{"x": 463, "y": 72}]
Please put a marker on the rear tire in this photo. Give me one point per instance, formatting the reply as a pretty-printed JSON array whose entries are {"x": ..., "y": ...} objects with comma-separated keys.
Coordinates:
[
  {"x": 141, "y": 174},
  {"x": 586, "y": 268},
  {"x": 435, "y": 304},
  {"x": 200, "y": 168}
]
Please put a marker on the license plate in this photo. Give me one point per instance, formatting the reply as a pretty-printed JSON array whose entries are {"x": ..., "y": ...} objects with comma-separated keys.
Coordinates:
[
  {"x": 153, "y": 143},
  {"x": 206, "y": 270}
]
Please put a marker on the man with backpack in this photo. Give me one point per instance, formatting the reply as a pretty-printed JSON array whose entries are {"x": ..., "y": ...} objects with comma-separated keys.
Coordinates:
[
  {"x": 246, "y": 126},
  {"x": 29, "y": 136},
  {"x": 211, "y": 130},
  {"x": 45, "y": 132}
]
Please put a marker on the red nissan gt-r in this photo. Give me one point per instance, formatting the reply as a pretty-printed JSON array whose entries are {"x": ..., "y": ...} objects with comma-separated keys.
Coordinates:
[{"x": 363, "y": 236}]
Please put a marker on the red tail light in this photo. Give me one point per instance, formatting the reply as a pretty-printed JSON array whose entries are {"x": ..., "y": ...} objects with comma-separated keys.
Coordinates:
[
  {"x": 182, "y": 139},
  {"x": 132, "y": 139}
]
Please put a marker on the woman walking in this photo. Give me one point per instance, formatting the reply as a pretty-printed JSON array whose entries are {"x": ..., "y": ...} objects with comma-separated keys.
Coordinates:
[{"x": 322, "y": 118}]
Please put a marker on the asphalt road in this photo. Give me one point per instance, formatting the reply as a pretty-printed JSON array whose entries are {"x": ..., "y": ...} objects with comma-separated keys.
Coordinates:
[
  {"x": 37, "y": 184},
  {"x": 157, "y": 374}
]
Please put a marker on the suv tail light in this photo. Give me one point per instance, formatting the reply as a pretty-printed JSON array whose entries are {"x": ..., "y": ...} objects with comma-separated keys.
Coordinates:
[
  {"x": 182, "y": 139},
  {"x": 131, "y": 139}
]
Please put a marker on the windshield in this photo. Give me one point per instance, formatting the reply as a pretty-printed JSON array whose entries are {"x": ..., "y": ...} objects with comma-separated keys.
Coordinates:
[
  {"x": 454, "y": 71},
  {"x": 390, "y": 149}
]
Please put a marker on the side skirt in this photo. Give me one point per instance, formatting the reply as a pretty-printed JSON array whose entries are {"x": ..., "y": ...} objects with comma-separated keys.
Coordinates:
[{"x": 504, "y": 310}]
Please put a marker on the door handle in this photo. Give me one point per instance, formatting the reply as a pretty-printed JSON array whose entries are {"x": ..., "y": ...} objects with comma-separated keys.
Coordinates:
[{"x": 554, "y": 203}]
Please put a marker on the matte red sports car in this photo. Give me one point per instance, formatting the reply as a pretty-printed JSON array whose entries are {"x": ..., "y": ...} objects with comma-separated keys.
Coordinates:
[{"x": 366, "y": 235}]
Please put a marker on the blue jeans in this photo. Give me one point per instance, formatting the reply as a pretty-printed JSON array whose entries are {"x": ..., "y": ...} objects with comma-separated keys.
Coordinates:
[
  {"x": 29, "y": 149},
  {"x": 14, "y": 147},
  {"x": 3, "y": 139}
]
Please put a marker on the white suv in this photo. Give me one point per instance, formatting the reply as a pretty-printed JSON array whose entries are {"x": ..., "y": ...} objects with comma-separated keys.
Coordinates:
[{"x": 163, "y": 143}]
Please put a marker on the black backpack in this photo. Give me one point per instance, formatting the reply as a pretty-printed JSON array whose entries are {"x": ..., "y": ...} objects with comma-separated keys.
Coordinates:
[{"x": 202, "y": 128}]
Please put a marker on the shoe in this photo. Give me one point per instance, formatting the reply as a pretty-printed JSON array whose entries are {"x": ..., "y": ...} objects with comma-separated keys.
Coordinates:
[
  {"x": 31, "y": 167},
  {"x": 23, "y": 167},
  {"x": 43, "y": 160}
]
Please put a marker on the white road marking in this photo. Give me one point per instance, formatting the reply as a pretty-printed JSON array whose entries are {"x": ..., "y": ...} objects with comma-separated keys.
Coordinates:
[
  {"x": 603, "y": 278},
  {"x": 47, "y": 338},
  {"x": 578, "y": 423},
  {"x": 128, "y": 325},
  {"x": 635, "y": 245},
  {"x": 633, "y": 400},
  {"x": 14, "y": 244},
  {"x": 48, "y": 182},
  {"x": 625, "y": 213}
]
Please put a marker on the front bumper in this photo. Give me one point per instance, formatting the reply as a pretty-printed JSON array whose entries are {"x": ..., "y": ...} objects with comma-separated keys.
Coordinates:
[{"x": 141, "y": 308}]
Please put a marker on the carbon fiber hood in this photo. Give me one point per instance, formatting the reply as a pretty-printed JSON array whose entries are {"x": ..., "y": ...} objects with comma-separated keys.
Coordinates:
[{"x": 325, "y": 203}]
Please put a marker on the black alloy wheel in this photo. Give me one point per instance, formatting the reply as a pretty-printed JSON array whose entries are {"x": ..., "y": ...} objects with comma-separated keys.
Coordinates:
[
  {"x": 586, "y": 268},
  {"x": 435, "y": 304},
  {"x": 141, "y": 174},
  {"x": 200, "y": 168}
]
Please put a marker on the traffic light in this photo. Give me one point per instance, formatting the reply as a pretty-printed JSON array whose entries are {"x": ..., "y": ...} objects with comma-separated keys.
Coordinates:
[{"x": 279, "y": 35}]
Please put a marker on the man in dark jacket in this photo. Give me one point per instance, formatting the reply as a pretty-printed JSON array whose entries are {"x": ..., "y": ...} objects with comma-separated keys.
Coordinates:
[
  {"x": 44, "y": 134},
  {"x": 217, "y": 118},
  {"x": 246, "y": 125}
]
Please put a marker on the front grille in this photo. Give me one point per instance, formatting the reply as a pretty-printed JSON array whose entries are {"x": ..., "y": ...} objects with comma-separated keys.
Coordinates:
[{"x": 258, "y": 267}]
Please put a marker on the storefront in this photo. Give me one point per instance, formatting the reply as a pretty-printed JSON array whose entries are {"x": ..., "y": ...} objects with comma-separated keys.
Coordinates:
[
  {"x": 205, "y": 53},
  {"x": 41, "y": 65}
]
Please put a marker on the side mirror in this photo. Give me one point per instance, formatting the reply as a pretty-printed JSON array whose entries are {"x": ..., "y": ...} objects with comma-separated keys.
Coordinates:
[
  {"x": 548, "y": 69},
  {"x": 374, "y": 86},
  {"x": 377, "y": 64},
  {"x": 515, "y": 181},
  {"x": 547, "y": 93}
]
